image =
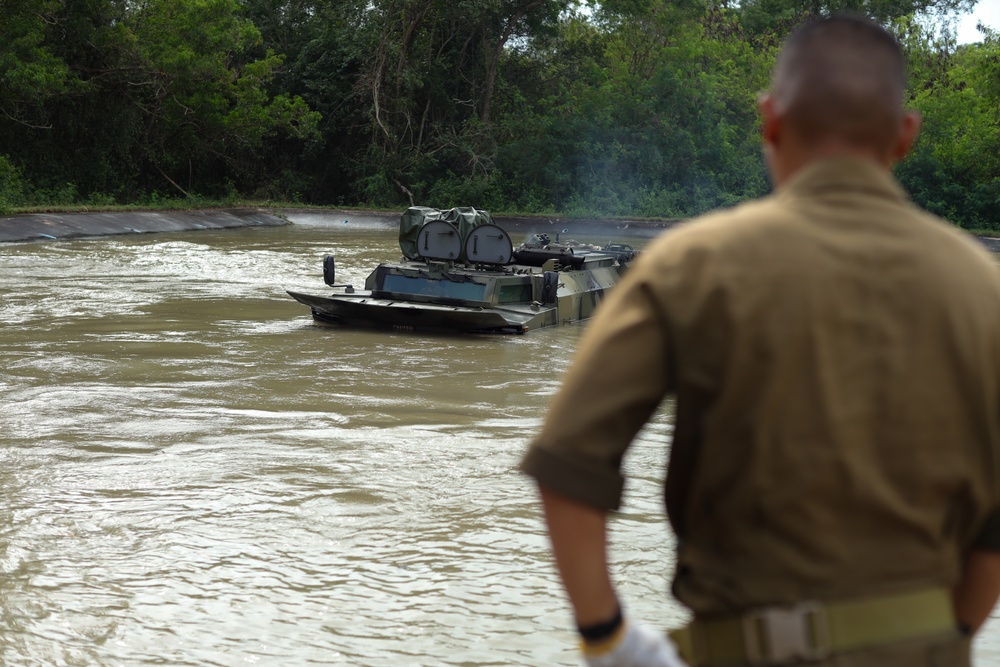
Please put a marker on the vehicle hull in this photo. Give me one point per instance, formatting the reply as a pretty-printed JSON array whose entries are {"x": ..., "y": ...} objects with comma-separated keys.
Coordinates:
[{"x": 363, "y": 310}]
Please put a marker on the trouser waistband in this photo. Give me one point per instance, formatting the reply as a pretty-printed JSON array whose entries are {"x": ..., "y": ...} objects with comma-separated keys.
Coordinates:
[{"x": 814, "y": 630}]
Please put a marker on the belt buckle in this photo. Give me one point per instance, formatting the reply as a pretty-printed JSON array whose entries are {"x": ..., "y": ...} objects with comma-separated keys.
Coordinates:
[{"x": 781, "y": 635}]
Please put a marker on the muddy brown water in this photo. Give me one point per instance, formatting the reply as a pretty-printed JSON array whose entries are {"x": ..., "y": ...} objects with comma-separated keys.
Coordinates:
[{"x": 193, "y": 472}]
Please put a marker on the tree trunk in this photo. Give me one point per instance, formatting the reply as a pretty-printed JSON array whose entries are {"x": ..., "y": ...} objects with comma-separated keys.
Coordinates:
[{"x": 494, "y": 62}]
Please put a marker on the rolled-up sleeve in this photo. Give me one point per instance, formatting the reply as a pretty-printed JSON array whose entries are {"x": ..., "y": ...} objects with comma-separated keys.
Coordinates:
[{"x": 618, "y": 378}]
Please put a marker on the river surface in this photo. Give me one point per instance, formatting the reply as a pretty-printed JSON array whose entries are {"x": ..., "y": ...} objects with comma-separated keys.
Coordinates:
[{"x": 193, "y": 472}]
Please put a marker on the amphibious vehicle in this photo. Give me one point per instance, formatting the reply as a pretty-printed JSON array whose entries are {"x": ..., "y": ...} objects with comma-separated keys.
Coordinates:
[{"x": 461, "y": 273}]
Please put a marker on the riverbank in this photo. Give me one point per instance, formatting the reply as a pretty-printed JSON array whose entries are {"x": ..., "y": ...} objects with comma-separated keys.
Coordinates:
[
  {"x": 992, "y": 243},
  {"x": 522, "y": 224},
  {"x": 55, "y": 226},
  {"x": 69, "y": 225}
]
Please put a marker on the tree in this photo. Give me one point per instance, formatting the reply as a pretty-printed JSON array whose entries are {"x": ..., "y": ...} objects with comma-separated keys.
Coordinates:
[
  {"x": 780, "y": 16},
  {"x": 646, "y": 114},
  {"x": 30, "y": 72},
  {"x": 153, "y": 95},
  {"x": 954, "y": 169},
  {"x": 432, "y": 83},
  {"x": 325, "y": 45}
]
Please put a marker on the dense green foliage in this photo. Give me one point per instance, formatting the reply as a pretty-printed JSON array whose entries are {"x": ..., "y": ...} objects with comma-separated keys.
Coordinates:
[
  {"x": 954, "y": 170},
  {"x": 627, "y": 107}
]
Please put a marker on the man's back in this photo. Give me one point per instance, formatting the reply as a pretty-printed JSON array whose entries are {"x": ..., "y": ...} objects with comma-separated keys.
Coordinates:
[{"x": 838, "y": 391}]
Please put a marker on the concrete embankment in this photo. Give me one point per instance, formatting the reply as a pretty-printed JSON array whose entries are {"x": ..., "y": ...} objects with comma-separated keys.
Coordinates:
[
  {"x": 992, "y": 244},
  {"x": 51, "y": 226},
  {"x": 38, "y": 226},
  {"x": 519, "y": 224}
]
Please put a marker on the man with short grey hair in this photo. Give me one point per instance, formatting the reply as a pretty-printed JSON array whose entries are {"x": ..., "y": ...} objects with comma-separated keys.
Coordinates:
[{"x": 834, "y": 475}]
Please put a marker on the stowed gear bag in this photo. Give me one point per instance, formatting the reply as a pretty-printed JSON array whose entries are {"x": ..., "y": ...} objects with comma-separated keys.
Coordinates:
[{"x": 464, "y": 218}]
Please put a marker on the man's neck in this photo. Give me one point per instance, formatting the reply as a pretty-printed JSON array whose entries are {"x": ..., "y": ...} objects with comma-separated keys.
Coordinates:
[{"x": 785, "y": 163}]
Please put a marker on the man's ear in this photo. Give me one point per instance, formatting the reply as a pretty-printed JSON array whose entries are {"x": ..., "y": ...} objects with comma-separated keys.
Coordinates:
[
  {"x": 908, "y": 131},
  {"x": 770, "y": 126}
]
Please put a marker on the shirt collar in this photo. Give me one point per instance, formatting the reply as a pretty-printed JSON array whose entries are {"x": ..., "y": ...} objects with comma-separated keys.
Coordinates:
[{"x": 843, "y": 175}]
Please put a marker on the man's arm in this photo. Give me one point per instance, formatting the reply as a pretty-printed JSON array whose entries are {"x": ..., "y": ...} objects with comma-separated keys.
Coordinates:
[
  {"x": 617, "y": 379},
  {"x": 578, "y": 534},
  {"x": 579, "y": 542},
  {"x": 977, "y": 591}
]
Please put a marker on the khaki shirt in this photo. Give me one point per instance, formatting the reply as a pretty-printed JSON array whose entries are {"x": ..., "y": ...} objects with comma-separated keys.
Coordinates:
[{"x": 835, "y": 354}]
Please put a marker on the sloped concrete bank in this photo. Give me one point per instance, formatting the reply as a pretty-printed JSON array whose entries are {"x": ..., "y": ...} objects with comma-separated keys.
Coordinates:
[
  {"x": 992, "y": 244},
  {"x": 52, "y": 226},
  {"x": 518, "y": 224}
]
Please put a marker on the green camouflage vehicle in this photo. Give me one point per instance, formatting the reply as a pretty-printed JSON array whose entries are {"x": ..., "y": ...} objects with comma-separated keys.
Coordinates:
[{"x": 461, "y": 273}]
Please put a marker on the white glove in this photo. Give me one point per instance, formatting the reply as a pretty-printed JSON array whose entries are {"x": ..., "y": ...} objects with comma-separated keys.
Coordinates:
[{"x": 633, "y": 646}]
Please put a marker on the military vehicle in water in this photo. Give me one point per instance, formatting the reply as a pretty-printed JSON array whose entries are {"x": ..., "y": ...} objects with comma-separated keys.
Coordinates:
[{"x": 460, "y": 272}]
